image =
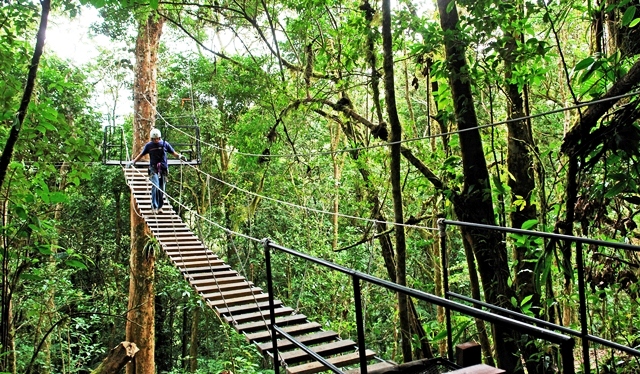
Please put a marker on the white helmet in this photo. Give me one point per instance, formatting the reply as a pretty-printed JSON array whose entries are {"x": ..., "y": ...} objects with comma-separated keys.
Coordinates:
[{"x": 155, "y": 134}]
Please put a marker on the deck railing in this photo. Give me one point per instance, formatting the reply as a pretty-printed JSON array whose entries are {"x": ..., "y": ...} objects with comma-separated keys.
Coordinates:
[
  {"x": 566, "y": 343},
  {"x": 584, "y": 334}
]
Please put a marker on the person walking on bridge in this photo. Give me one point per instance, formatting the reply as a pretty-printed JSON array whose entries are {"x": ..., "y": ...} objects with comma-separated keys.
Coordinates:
[{"x": 157, "y": 150}]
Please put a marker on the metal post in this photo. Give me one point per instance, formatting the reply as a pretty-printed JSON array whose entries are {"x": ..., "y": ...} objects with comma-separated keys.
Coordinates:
[
  {"x": 104, "y": 146},
  {"x": 442, "y": 229},
  {"x": 122, "y": 158},
  {"x": 274, "y": 333},
  {"x": 566, "y": 352},
  {"x": 584, "y": 327},
  {"x": 359, "y": 324}
]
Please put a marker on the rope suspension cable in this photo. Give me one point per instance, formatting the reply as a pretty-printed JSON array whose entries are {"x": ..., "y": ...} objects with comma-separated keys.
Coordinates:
[
  {"x": 343, "y": 150},
  {"x": 312, "y": 209},
  {"x": 182, "y": 259},
  {"x": 208, "y": 258}
]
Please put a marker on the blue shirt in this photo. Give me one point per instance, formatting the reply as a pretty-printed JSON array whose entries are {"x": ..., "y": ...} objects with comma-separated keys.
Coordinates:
[{"x": 158, "y": 153}]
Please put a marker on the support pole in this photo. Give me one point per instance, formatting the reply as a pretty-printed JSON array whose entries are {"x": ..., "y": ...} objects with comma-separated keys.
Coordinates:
[
  {"x": 442, "y": 229},
  {"x": 272, "y": 316}
]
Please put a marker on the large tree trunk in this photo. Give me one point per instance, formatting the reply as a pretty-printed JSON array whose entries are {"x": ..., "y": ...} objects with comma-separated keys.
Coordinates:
[
  {"x": 193, "y": 346},
  {"x": 7, "y": 349},
  {"x": 117, "y": 358},
  {"x": 396, "y": 185},
  {"x": 140, "y": 318},
  {"x": 474, "y": 203},
  {"x": 7, "y": 152}
]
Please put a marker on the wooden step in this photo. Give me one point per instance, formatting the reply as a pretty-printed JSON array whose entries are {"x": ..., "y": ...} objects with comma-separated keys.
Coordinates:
[
  {"x": 294, "y": 319},
  {"x": 206, "y": 269},
  {"x": 238, "y": 301},
  {"x": 247, "y": 308},
  {"x": 257, "y": 316},
  {"x": 315, "y": 338},
  {"x": 192, "y": 255},
  {"x": 199, "y": 250},
  {"x": 377, "y": 366},
  {"x": 292, "y": 330},
  {"x": 223, "y": 287},
  {"x": 197, "y": 263},
  {"x": 179, "y": 232},
  {"x": 212, "y": 296},
  {"x": 186, "y": 257},
  {"x": 340, "y": 361},
  {"x": 182, "y": 231},
  {"x": 218, "y": 274},
  {"x": 217, "y": 280},
  {"x": 177, "y": 244},
  {"x": 173, "y": 247},
  {"x": 323, "y": 350}
]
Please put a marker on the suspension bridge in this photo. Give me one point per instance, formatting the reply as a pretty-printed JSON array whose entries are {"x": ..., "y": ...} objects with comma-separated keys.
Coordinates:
[
  {"x": 238, "y": 301},
  {"x": 298, "y": 344}
]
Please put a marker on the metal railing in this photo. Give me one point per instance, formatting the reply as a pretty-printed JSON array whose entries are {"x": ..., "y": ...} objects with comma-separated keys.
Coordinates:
[
  {"x": 113, "y": 144},
  {"x": 583, "y": 334},
  {"x": 184, "y": 139},
  {"x": 566, "y": 343}
]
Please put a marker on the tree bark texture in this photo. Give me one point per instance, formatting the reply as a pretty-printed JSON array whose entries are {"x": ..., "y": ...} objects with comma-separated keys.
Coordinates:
[
  {"x": 475, "y": 203},
  {"x": 396, "y": 183},
  {"x": 117, "y": 358},
  {"x": 7, "y": 352},
  {"x": 521, "y": 169},
  {"x": 7, "y": 152},
  {"x": 193, "y": 345},
  {"x": 140, "y": 318}
]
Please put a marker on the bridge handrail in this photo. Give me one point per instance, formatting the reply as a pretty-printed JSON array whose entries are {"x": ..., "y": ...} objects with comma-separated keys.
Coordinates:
[
  {"x": 583, "y": 334},
  {"x": 566, "y": 343}
]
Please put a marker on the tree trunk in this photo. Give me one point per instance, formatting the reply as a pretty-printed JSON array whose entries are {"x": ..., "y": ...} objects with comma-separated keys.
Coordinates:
[
  {"x": 521, "y": 169},
  {"x": 338, "y": 161},
  {"x": 140, "y": 318},
  {"x": 118, "y": 357},
  {"x": 7, "y": 153},
  {"x": 193, "y": 346},
  {"x": 396, "y": 184},
  {"x": 7, "y": 349},
  {"x": 475, "y": 203}
]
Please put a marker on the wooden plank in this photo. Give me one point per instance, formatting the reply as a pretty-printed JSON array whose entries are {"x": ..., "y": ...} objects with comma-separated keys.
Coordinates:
[
  {"x": 340, "y": 361},
  {"x": 181, "y": 232},
  {"x": 315, "y": 338},
  {"x": 280, "y": 321},
  {"x": 176, "y": 247},
  {"x": 238, "y": 300},
  {"x": 187, "y": 263},
  {"x": 196, "y": 264},
  {"x": 324, "y": 350},
  {"x": 206, "y": 269},
  {"x": 218, "y": 274},
  {"x": 224, "y": 286},
  {"x": 256, "y": 316},
  {"x": 247, "y": 307},
  {"x": 217, "y": 280},
  {"x": 212, "y": 296},
  {"x": 293, "y": 330},
  {"x": 478, "y": 369},
  {"x": 177, "y": 231},
  {"x": 378, "y": 366},
  {"x": 192, "y": 254}
]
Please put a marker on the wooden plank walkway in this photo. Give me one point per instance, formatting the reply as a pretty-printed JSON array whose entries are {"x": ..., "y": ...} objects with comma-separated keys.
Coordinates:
[{"x": 238, "y": 301}]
